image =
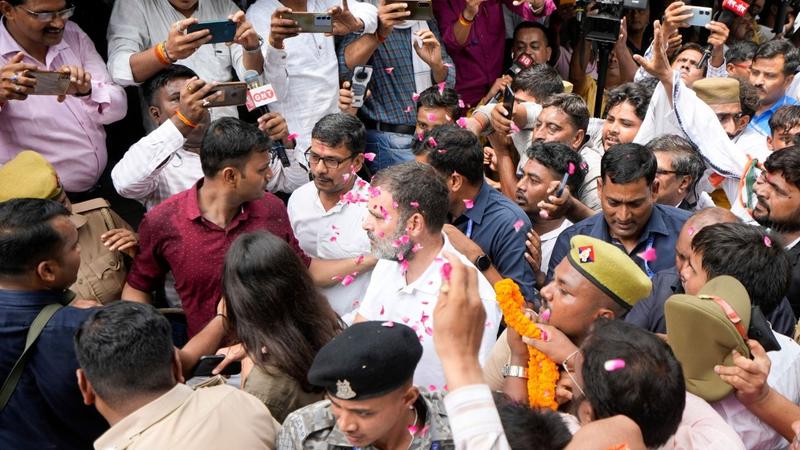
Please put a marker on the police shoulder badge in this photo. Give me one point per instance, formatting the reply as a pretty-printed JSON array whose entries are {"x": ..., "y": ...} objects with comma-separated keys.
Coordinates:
[
  {"x": 343, "y": 390},
  {"x": 586, "y": 254}
]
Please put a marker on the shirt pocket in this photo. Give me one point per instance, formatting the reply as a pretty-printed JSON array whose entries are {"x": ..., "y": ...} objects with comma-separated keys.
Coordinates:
[{"x": 101, "y": 278}]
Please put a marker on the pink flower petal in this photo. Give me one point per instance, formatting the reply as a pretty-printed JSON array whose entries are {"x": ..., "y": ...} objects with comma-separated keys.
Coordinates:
[
  {"x": 360, "y": 259},
  {"x": 441, "y": 151},
  {"x": 432, "y": 142},
  {"x": 401, "y": 257},
  {"x": 356, "y": 303},
  {"x": 333, "y": 239},
  {"x": 415, "y": 97},
  {"x": 374, "y": 192},
  {"x": 545, "y": 315},
  {"x": 389, "y": 70},
  {"x": 348, "y": 279},
  {"x": 346, "y": 176},
  {"x": 388, "y": 324},
  {"x": 369, "y": 156},
  {"x": 690, "y": 231},
  {"x": 447, "y": 64},
  {"x": 414, "y": 204},
  {"x": 446, "y": 270},
  {"x": 404, "y": 266},
  {"x": 571, "y": 169},
  {"x": 462, "y": 122},
  {"x": 429, "y": 331},
  {"x": 518, "y": 224},
  {"x": 409, "y": 109},
  {"x": 361, "y": 183},
  {"x": 425, "y": 430},
  {"x": 441, "y": 87},
  {"x": 648, "y": 255},
  {"x": 405, "y": 319},
  {"x": 420, "y": 136},
  {"x": 413, "y": 429},
  {"x": 613, "y": 365},
  {"x": 424, "y": 317},
  {"x": 291, "y": 137},
  {"x": 382, "y": 310},
  {"x": 416, "y": 248},
  {"x": 395, "y": 205},
  {"x": 469, "y": 203},
  {"x": 431, "y": 388},
  {"x": 380, "y": 234},
  {"x": 514, "y": 128},
  {"x": 767, "y": 241},
  {"x": 431, "y": 117},
  {"x": 461, "y": 103}
]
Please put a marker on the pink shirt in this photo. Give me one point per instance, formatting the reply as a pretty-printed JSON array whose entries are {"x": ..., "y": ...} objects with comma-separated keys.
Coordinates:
[
  {"x": 69, "y": 134},
  {"x": 480, "y": 60}
]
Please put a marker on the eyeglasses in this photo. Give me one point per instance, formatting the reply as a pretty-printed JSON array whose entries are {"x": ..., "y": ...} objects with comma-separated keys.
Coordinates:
[
  {"x": 569, "y": 372},
  {"x": 330, "y": 162},
  {"x": 665, "y": 172},
  {"x": 49, "y": 16}
]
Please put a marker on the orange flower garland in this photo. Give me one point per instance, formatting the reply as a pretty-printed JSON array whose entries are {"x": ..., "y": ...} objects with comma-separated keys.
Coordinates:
[{"x": 542, "y": 371}]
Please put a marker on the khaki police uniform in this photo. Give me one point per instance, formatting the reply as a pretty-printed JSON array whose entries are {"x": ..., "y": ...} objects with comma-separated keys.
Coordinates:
[{"x": 102, "y": 272}]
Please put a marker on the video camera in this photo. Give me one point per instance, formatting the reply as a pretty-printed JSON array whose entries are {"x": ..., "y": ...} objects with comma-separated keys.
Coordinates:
[{"x": 603, "y": 26}]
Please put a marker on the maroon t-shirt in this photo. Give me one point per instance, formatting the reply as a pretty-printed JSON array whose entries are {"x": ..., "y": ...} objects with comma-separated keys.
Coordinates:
[{"x": 175, "y": 236}]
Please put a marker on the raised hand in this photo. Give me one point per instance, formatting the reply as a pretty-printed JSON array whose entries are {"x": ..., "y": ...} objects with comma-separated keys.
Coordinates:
[
  {"x": 181, "y": 45},
  {"x": 246, "y": 35}
]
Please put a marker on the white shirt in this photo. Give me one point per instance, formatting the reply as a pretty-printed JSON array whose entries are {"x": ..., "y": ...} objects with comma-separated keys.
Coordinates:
[
  {"x": 548, "y": 241},
  {"x": 305, "y": 75},
  {"x": 333, "y": 234},
  {"x": 701, "y": 428},
  {"x": 136, "y": 25},
  {"x": 389, "y": 298},
  {"x": 157, "y": 167},
  {"x": 784, "y": 377}
]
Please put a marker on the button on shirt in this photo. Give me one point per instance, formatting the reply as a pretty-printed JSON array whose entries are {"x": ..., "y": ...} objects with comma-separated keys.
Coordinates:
[
  {"x": 175, "y": 236},
  {"x": 390, "y": 298},
  {"x": 760, "y": 122},
  {"x": 333, "y": 234},
  {"x": 208, "y": 418},
  {"x": 70, "y": 134},
  {"x": 490, "y": 224},
  {"x": 46, "y": 409},
  {"x": 304, "y": 73},
  {"x": 138, "y": 25},
  {"x": 662, "y": 228}
]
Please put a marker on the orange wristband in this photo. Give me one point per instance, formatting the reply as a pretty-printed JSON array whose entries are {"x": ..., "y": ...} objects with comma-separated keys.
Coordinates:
[
  {"x": 185, "y": 120},
  {"x": 463, "y": 20},
  {"x": 161, "y": 54}
]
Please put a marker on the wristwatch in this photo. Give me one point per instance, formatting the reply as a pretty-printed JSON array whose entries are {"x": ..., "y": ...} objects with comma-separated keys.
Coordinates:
[
  {"x": 515, "y": 371},
  {"x": 483, "y": 263}
]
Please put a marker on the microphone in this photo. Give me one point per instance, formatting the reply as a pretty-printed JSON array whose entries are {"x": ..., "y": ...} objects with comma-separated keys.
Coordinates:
[
  {"x": 730, "y": 10},
  {"x": 260, "y": 95},
  {"x": 522, "y": 62}
]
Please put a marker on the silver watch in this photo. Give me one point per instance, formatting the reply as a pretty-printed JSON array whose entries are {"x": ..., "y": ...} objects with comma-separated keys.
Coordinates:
[{"x": 515, "y": 371}]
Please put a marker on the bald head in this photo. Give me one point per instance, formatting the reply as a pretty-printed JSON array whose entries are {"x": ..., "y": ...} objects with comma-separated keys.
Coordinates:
[{"x": 697, "y": 222}]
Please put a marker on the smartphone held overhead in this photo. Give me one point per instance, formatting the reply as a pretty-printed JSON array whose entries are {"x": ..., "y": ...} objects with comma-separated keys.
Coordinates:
[
  {"x": 220, "y": 30},
  {"x": 420, "y": 10}
]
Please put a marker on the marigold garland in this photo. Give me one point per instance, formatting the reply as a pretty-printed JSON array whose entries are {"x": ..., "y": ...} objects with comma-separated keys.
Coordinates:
[{"x": 542, "y": 371}]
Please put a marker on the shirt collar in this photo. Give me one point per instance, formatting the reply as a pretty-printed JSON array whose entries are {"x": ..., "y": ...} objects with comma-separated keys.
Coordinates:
[
  {"x": 479, "y": 205},
  {"x": 356, "y": 189},
  {"x": 143, "y": 418},
  {"x": 9, "y": 46},
  {"x": 655, "y": 225},
  {"x": 192, "y": 207},
  {"x": 42, "y": 297}
]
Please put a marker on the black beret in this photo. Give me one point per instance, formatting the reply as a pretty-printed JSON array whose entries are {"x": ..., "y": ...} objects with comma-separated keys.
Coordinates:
[{"x": 367, "y": 360}]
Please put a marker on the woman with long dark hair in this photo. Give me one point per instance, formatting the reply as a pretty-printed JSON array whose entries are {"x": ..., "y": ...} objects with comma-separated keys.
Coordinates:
[{"x": 280, "y": 317}]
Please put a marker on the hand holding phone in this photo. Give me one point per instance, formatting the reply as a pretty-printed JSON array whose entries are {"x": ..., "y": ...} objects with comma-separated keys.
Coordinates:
[
  {"x": 361, "y": 77},
  {"x": 209, "y": 362},
  {"x": 50, "y": 83},
  {"x": 220, "y": 30},
  {"x": 701, "y": 16},
  {"x": 15, "y": 81},
  {"x": 226, "y": 94},
  {"x": 311, "y": 22},
  {"x": 418, "y": 9},
  {"x": 508, "y": 102},
  {"x": 180, "y": 44}
]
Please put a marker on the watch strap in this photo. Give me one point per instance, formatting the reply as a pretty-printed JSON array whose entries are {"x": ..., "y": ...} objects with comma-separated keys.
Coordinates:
[{"x": 515, "y": 371}]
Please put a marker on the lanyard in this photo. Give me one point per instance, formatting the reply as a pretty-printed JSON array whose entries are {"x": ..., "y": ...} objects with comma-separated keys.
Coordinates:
[{"x": 469, "y": 228}]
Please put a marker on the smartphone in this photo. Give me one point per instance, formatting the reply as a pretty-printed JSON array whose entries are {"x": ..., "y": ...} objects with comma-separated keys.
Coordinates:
[
  {"x": 311, "y": 22},
  {"x": 233, "y": 94},
  {"x": 361, "y": 77},
  {"x": 701, "y": 15},
  {"x": 420, "y": 10},
  {"x": 49, "y": 83},
  {"x": 208, "y": 362},
  {"x": 508, "y": 101},
  {"x": 221, "y": 30}
]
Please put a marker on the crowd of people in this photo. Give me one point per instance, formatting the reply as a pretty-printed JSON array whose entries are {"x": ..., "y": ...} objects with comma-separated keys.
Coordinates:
[{"x": 326, "y": 268}]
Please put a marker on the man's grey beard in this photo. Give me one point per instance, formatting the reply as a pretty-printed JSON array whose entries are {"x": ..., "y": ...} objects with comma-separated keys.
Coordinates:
[{"x": 391, "y": 248}]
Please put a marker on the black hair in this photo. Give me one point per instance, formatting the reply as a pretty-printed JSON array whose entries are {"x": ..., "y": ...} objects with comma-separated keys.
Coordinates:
[
  {"x": 627, "y": 163},
  {"x": 527, "y": 24},
  {"x": 26, "y": 235},
  {"x": 748, "y": 98},
  {"x": 272, "y": 302},
  {"x": 339, "y": 128},
  {"x": 683, "y": 48},
  {"x": 573, "y": 106},
  {"x": 125, "y": 350},
  {"x": 785, "y": 118},
  {"x": 739, "y": 250},
  {"x": 540, "y": 81},
  {"x": 456, "y": 150},
  {"x": 633, "y": 93},
  {"x": 230, "y": 141},
  {"x": 780, "y": 47},
  {"x": 557, "y": 157},
  {"x": 532, "y": 429},
  {"x": 787, "y": 162},
  {"x": 448, "y": 99},
  {"x": 417, "y": 183},
  {"x": 741, "y": 51},
  {"x": 649, "y": 389},
  {"x": 686, "y": 159},
  {"x": 161, "y": 78}
]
